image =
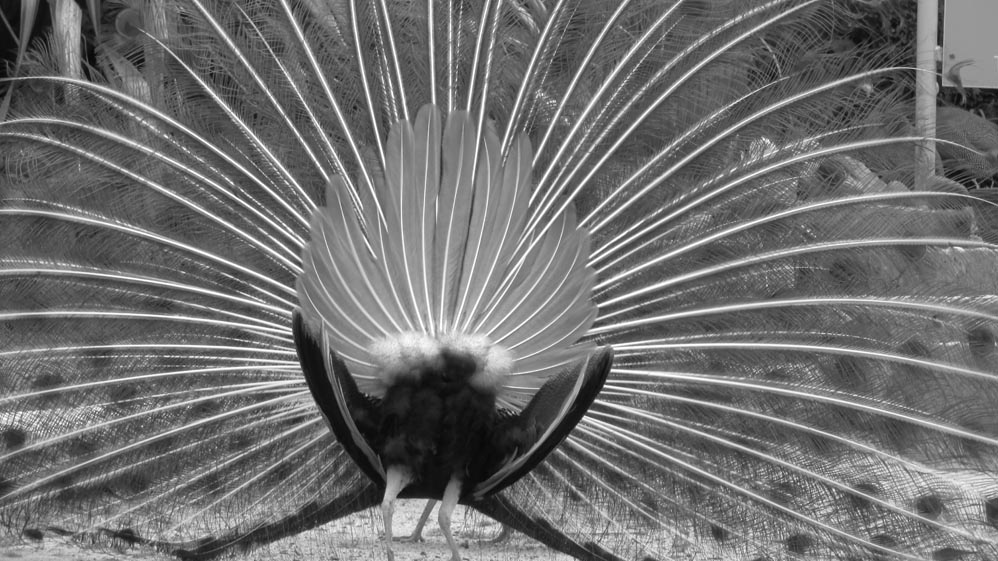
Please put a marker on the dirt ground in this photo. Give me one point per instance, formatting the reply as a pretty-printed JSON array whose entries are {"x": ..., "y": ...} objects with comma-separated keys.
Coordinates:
[{"x": 355, "y": 538}]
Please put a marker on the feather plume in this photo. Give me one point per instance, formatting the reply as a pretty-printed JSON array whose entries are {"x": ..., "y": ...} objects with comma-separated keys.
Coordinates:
[{"x": 804, "y": 349}]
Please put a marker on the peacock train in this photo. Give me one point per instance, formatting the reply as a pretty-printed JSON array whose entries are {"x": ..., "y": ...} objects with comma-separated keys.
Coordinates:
[{"x": 646, "y": 279}]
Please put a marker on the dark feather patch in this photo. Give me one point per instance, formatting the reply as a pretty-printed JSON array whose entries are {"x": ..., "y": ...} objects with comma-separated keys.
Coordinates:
[
  {"x": 320, "y": 382},
  {"x": 542, "y": 411}
]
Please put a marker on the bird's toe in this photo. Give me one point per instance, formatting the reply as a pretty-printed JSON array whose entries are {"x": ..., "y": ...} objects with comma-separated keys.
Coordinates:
[{"x": 409, "y": 539}]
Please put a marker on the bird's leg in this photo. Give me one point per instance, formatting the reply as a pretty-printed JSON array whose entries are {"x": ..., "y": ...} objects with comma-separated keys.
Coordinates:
[
  {"x": 417, "y": 534},
  {"x": 395, "y": 480},
  {"x": 451, "y": 495}
]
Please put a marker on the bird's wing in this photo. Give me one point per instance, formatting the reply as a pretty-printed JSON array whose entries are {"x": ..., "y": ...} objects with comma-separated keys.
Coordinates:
[
  {"x": 336, "y": 394},
  {"x": 552, "y": 413}
]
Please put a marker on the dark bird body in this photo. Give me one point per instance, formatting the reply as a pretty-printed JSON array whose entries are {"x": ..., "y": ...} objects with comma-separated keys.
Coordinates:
[
  {"x": 435, "y": 426},
  {"x": 437, "y": 432},
  {"x": 412, "y": 425},
  {"x": 630, "y": 278},
  {"x": 436, "y": 429}
]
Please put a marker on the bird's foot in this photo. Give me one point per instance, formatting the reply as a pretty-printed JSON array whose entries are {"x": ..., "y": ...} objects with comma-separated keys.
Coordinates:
[
  {"x": 389, "y": 552},
  {"x": 415, "y": 538}
]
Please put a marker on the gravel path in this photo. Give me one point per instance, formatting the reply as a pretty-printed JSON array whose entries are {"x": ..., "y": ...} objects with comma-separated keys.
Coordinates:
[{"x": 354, "y": 538}]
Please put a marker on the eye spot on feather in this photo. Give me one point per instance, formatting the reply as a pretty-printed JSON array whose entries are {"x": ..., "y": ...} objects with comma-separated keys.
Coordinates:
[
  {"x": 63, "y": 484},
  {"x": 703, "y": 395},
  {"x": 895, "y": 432},
  {"x": 963, "y": 222},
  {"x": 203, "y": 410},
  {"x": 859, "y": 502},
  {"x": 123, "y": 394},
  {"x": 949, "y": 554},
  {"x": 99, "y": 360},
  {"x": 991, "y": 511},
  {"x": 163, "y": 446},
  {"x": 782, "y": 493},
  {"x": 84, "y": 493},
  {"x": 6, "y": 486},
  {"x": 239, "y": 442},
  {"x": 130, "y": 483},
  {"x": 165, "y": 306},
  {"x": 830, "y": 176},
  {"x": 778, "y": 375},
  {"x": 804, "y": 276},
  {"x": 649, "y": 500},
  {"x": 982, "y": 341},
  {"x": 846, "y": 373},
  {"x": 799, "y": 543},
  {"x": 82, "y": 446},
  {"x": 281, "y": 474},
  {"x": 696, "y": 8},
  {"x": 211, "y": 485},
  {"x": 45, "y": 382},
  {"x": 914, "y": 349},
  {"x": 847, "y": 274},
  {"x": 575, "y": 495},
  {"x": 697, "y": 490},
  {"x": 929, "y": 506},
  {"x": 913, "y": 252},
  {"x": 819, "y": 444},
  {"x": 13, "y": 438},
  {"x": 884, "y": 540}
]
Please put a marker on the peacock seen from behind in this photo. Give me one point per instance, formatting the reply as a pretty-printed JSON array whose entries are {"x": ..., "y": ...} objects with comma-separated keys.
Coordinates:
[{"x": 638, "y": 279}]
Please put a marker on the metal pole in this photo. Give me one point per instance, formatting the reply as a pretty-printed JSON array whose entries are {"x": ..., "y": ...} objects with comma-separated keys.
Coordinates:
[{"x": 926, "y": 89}]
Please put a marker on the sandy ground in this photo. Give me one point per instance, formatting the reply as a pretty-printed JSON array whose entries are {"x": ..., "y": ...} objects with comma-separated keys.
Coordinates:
[{"x": 353, "y": 538}]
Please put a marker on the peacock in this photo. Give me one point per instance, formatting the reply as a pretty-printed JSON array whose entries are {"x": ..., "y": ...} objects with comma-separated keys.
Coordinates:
[{"x": 642, "y": 279}]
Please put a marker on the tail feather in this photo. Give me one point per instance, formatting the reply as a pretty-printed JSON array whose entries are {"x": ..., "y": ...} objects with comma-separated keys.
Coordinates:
[{"x": 804, "y": 347}]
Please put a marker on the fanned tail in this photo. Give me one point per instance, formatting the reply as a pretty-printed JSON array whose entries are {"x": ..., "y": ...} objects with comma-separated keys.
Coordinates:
[{"x": 804, "y": 347}]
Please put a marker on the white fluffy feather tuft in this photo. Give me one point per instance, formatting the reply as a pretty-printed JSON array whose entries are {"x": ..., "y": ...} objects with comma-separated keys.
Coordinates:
[
  {"x": 406, "y": 355},
  {"x": 495, "y": 363}
]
